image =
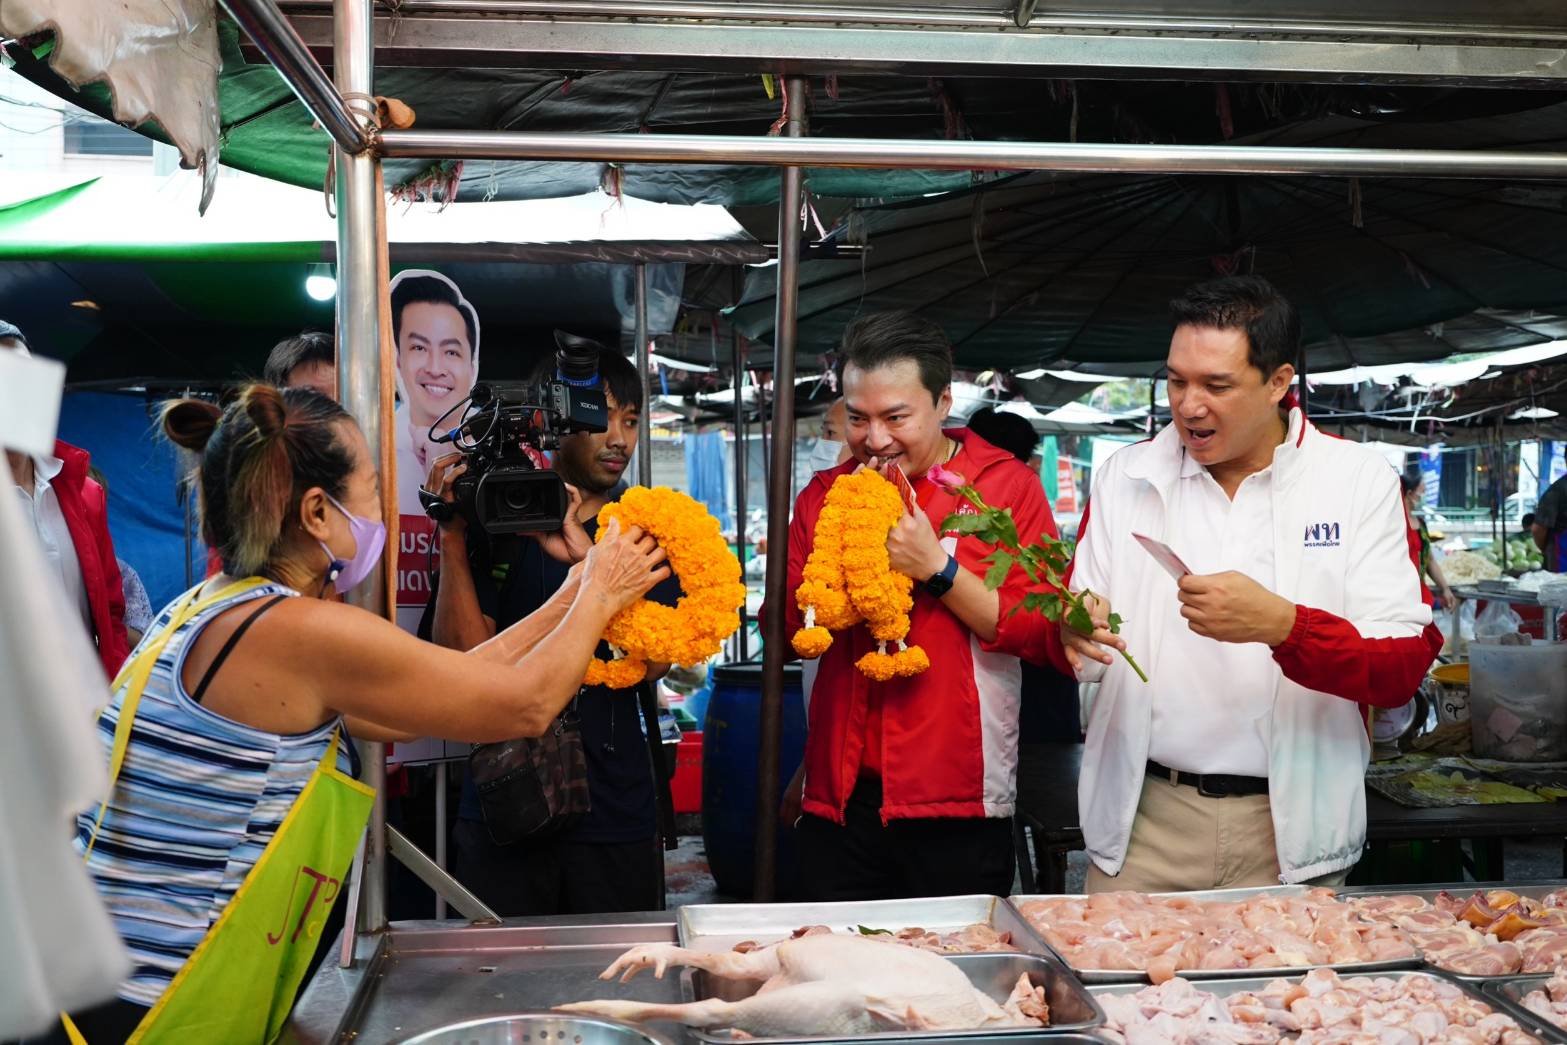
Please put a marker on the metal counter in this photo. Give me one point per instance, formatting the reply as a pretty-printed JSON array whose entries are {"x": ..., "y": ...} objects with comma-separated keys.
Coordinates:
[{"x": 425, "y": 974}]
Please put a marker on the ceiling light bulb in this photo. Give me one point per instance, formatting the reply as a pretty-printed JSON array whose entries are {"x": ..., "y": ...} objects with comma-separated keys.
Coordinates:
[{"x": 320, "y": 284}]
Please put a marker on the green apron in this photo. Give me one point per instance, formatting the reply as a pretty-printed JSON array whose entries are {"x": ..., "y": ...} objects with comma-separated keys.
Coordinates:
[{"x": 238, "y": 985}]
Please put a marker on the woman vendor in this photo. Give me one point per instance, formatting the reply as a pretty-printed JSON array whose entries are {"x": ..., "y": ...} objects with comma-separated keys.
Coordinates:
[{"x": 230, "y": 826}]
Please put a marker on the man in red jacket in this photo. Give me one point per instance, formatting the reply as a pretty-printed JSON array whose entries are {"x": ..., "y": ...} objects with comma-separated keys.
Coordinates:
[
  {"x": 909, "y": 784},
  {"x": 70, "y": 514}
]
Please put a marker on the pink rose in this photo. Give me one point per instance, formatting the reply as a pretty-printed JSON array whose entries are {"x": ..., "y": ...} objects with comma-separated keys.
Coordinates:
[{"x": 947, "y": 480}]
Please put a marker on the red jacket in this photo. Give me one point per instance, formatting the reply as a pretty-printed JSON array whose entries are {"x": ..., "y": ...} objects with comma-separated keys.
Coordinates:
[
  {"x": 85, "y": 507},
  {"x": 949, "y": 735}
]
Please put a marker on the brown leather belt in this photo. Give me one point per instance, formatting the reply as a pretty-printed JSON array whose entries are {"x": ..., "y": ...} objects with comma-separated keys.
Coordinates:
[{"x": 1211, "y": 785}]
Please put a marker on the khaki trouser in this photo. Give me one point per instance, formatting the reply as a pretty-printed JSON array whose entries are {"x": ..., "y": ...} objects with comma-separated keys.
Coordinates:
[{"x": 1183, "y": 841}]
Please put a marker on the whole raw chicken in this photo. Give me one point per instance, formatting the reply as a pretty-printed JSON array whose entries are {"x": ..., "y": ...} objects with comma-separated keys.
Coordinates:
[{"x": 825, "y": 985}]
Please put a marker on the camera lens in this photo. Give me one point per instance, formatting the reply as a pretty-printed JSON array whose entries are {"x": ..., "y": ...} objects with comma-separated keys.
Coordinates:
[{"x": 517, "y": 497}]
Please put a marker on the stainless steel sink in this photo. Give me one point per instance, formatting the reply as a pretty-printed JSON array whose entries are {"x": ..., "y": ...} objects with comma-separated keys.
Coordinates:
[{"x": 538, "y": 1028}]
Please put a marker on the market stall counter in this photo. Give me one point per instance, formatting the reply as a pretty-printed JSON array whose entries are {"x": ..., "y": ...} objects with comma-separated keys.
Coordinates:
[
  {"x": 944, "y": 954},
  {"x": 425, "y": 974},
  {"x": 1047, "y": 804}
]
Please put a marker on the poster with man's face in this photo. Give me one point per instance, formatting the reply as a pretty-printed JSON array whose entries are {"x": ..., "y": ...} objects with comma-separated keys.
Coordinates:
[{"x": 436, "y": 334}]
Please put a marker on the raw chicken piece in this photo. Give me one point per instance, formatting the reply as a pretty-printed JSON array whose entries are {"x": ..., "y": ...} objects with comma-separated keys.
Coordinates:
[
  {"x": 1542, "y": 949},
  {"x": 1549, "y": 1001},
  {"x": 825, "y": 986},
  {"x": 1321, "y": 1008},
  {"x": 1164, "y": 935},
  {"x": 1177, "y": 1012}
]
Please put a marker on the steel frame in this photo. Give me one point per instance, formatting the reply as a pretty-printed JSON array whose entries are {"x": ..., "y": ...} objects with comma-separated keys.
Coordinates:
[
  {"x": 1398, "y": 44},
  {"x": 361, "y": 208}
]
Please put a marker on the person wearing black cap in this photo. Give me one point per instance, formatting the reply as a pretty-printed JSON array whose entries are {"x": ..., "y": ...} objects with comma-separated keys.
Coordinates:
[
  {"x": 607, "y": 859},
  {"x": 69, "y": 511}
]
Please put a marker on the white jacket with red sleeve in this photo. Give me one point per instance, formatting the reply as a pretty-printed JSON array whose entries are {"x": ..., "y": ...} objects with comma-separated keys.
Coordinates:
[{"x": 1363, "y": 636}]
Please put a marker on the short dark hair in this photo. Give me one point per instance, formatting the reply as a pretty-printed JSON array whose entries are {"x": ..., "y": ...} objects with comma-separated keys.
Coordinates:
[
  {"x": 1248, "y": 303},
  {"x": 1527, "y": 520},
  {"x": 886, "y": 338},
  {"x": 1008, "y": 431},
  {"x": 1409, "y": 481},
  {"x": 435, "y": 291},
  {"x": 308, "y": 346},
  {"x": 618, "y": 376}
]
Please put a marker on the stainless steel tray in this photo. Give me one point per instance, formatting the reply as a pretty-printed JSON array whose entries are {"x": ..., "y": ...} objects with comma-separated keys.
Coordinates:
[
  {"x": 1534, "y": 890},
  {"x": 1223, "y": 895},
  {"x": 1508, "y": 992},
  {"x": 1240, "y": 985},
  {"x": 718, "y": 927},
  {"x": 1072, "y": 1008},
  {"x": 1134, "y": 976}
]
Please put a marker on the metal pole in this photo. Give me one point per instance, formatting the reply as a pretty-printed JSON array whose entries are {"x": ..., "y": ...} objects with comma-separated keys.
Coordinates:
[
  {"x": 645, "y": 430},
  {"x": 360, "y": 382},
  {"x": 462, "y": 898},
  {"x": 742, "y": 448},
  {"x": 775, "y": 643},
  {"x": 277, "y": 40},
  {"x": 440, "y": 832},
  {"x": 968, "y": 155}
]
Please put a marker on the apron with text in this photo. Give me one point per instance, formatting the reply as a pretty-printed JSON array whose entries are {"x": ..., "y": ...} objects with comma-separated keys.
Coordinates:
[{"x": 238, "y": 985}]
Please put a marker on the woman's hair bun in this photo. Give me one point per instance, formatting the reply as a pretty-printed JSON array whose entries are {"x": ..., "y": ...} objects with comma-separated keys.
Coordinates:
[
  {"x": 190, "y": 422},
  {"x": 265, "y": 407}
]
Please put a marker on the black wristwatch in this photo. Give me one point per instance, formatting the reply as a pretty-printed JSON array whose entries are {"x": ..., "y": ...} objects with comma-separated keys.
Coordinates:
[{"x": 941, "y": 582}]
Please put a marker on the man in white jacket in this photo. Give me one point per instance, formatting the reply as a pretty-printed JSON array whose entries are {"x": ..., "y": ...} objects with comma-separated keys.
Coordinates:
[{"x": 1242, "y": 760}]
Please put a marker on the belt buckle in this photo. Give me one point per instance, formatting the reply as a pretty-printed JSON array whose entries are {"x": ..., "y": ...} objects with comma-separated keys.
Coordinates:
[{"x": 1202, "y": 789}]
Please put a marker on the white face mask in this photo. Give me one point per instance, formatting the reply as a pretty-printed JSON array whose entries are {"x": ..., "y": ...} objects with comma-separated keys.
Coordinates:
[{"x": 824, "y": 454}]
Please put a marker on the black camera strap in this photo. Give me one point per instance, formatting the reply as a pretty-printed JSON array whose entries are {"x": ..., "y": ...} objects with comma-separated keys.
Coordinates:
[{"x": 655, "y": 742}]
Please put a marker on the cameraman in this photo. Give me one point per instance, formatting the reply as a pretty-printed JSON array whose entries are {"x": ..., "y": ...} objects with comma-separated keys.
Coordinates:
[{"x": 609, "y": 860}]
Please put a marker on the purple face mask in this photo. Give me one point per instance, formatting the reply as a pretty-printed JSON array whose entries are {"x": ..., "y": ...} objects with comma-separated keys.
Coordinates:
[{"x": 369, "y": 541}]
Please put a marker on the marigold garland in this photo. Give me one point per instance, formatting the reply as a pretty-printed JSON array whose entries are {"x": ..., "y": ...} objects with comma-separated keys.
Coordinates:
[
  {"x": 848, "y": 579},
  {"x": 708, "y": 611}
]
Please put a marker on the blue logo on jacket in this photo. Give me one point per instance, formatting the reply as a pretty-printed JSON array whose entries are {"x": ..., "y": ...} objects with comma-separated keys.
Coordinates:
[{"x": 1322, "y": 535}]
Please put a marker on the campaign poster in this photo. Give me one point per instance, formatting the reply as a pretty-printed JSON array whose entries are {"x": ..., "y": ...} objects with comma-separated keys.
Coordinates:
[{"x": 436, "y": 333}]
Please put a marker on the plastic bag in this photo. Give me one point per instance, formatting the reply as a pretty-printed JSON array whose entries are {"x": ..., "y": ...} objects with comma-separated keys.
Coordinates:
[{"x": 1496, "y": 620}]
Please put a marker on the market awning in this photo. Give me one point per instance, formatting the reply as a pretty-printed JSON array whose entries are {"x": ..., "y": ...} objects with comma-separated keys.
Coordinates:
[
  {"x": 265, "y": 130},
  {"x": 1055, "y": 271},
  {"x": 120, "y": 277}
]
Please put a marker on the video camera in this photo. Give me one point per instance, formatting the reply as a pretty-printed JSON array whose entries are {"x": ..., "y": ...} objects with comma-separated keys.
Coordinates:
[{"x": 505, "y": 490}]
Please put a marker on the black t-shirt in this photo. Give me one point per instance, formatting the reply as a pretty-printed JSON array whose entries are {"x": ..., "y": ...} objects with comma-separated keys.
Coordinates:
[
  {"x": 620, "y": 770},
  {"x": 1551, "y": 513}
]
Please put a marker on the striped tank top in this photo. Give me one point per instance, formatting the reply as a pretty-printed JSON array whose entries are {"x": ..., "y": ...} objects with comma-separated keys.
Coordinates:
[{"x": 198, "y": 798}]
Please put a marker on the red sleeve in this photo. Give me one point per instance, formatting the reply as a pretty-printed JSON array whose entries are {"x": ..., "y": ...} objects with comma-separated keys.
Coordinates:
[
  {"x": 1025, "y": 635},
  {"x": 115, "y": 646},
  {"x": 1044, "y": 640},
  {"x": 1325, "y": 652}
]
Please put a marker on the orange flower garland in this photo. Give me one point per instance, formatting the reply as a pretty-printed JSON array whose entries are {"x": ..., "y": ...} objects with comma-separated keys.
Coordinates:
[
  {"x": 848, "y": 579},
  {"x": 708, "y": 611}
]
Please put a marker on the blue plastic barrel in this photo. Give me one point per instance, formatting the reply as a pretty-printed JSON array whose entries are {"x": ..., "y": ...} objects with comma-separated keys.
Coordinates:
[{"x": 730, "y": 736}]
